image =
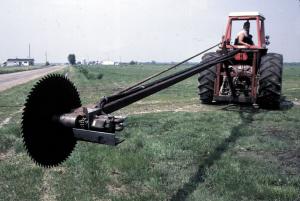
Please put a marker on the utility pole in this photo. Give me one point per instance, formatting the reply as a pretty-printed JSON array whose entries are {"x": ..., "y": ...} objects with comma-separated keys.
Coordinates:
[
  {"x": 29, "y": 51},
  {"x": 46, "y": 57}
]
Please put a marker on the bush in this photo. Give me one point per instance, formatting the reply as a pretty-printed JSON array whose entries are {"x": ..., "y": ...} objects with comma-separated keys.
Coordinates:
[
  {"x": 133, "y": 62},
  {"x": 88, "y": 75}
]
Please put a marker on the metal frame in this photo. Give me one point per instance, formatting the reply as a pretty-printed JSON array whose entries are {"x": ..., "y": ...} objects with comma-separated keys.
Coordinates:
[
  {"x": 219, "y": 79},
  {"x": 257, "y": 51},
  {"x": 96, "y": 137},
  {"x": 260, "y": 31}
]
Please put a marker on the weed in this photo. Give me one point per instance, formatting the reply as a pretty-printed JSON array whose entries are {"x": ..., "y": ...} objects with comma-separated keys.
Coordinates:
[{"x": 90, "y": 75}]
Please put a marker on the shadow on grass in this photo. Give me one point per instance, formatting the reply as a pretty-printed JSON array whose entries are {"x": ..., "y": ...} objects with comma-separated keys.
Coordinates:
[{"x": 246, "y": 113}]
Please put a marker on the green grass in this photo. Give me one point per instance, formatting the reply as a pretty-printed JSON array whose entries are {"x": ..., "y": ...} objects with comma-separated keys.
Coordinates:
[
  {"x": 218, "y": 153},
  {"x": 291, "y": 85},
  {"x": 5, "y": 70}
]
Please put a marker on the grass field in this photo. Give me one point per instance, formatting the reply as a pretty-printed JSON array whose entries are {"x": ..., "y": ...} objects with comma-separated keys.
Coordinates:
[
  {"x": 5, "y": 70},
  {"x": 175, "y": 148}
]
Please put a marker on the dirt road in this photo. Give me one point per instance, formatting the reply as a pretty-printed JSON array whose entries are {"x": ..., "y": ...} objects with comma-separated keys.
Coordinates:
[{"x": 12, "y": 79}]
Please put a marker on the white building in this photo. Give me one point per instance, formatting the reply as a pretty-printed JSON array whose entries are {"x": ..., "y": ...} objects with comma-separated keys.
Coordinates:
[
  {"x": 19, "y": 62},
  {"x": 107, "y": 63}
]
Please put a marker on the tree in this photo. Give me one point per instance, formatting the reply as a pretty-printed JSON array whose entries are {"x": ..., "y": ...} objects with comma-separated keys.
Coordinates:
[
  {"x": 133, "y": 62},
  {"x": 72, "y": 59}
]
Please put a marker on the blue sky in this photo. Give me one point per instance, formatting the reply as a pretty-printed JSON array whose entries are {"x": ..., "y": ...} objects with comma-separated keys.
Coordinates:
[{"x": 161, "y": 30}]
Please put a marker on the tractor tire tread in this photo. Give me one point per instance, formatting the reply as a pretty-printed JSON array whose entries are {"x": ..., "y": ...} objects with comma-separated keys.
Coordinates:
[
  {"x": 206, "y": 80},
  {"x": 269, "y": 90}
]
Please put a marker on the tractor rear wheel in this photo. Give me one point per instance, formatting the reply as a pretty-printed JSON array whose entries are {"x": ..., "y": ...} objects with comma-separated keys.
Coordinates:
[
  {"x": 269, "y": 90},
  {"x": 206, "y": 80}
]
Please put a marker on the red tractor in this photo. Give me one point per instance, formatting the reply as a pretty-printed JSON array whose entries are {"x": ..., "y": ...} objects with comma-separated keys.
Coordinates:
[{"x": 252, "y": 76}]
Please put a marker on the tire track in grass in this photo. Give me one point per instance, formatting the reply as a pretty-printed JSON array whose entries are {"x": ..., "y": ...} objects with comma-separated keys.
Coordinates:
[
  {"x": 246, "y": 115},
  {"x": 47, "y": 192},
  {"x": 11, "y": 151},
  {"x": 8, "y": 154},
  {"x": 7, "y": 120}
]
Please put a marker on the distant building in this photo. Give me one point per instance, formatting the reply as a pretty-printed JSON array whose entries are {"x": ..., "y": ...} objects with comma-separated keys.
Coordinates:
[
  {"x": 19, "y": 62},
  {"x": 107, "y": 63}
]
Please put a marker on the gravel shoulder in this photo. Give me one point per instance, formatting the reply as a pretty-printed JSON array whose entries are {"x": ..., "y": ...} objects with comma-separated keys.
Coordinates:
[{"x": 13, "y": 79}]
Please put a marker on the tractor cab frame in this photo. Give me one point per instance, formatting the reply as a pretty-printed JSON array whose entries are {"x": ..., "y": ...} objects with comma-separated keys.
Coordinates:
[{"x": 246, "y": 16}]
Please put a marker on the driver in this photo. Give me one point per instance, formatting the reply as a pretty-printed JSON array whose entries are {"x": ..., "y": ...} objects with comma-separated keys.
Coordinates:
[{"x": 243, "y": 37}]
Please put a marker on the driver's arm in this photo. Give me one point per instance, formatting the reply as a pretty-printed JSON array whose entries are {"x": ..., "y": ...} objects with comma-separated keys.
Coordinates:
[{"x": 241, "y": 38}]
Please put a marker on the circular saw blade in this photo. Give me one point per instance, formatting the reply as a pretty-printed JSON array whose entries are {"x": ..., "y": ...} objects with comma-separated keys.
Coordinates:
[{"x": 48, "y": 142}]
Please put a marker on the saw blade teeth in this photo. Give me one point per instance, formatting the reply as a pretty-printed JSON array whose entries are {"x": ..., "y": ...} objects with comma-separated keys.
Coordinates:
[{"x": 46, "y": 142}]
